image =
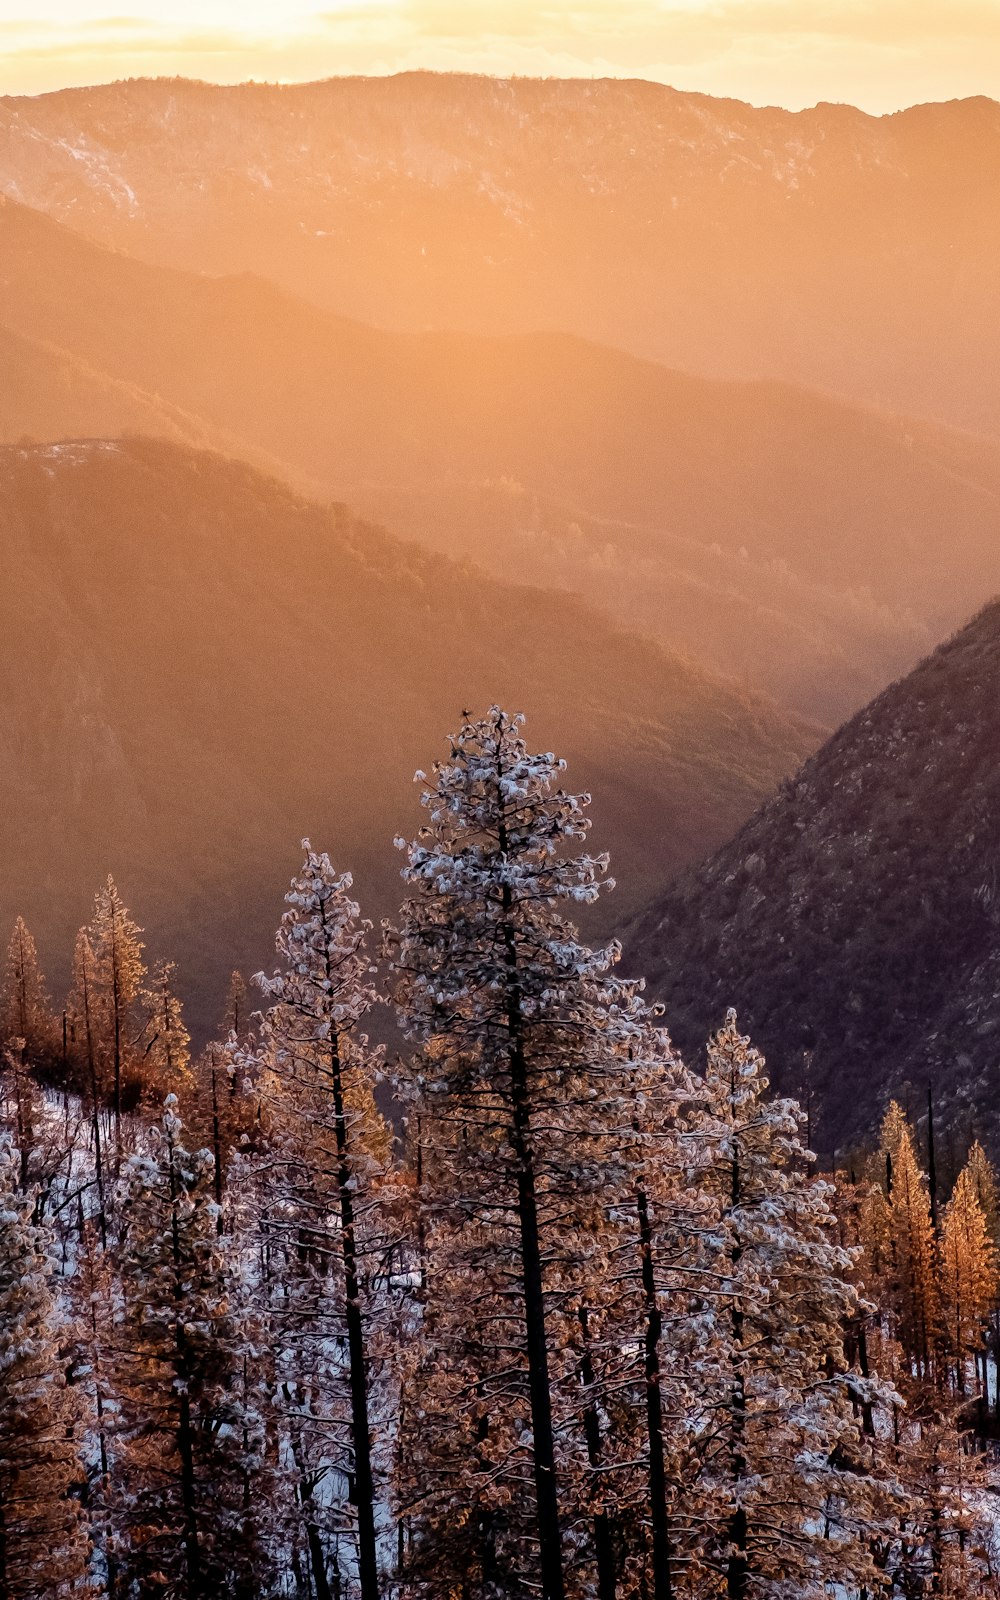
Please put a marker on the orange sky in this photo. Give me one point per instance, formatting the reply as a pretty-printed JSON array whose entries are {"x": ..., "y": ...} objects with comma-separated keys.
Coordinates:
[{"x": 880, "y": 54}]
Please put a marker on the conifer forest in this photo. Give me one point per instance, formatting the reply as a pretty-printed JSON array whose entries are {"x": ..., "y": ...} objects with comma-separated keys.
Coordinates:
[
  {"x": 532, "y": 1307},
  {"x": 500, "y": 800}
]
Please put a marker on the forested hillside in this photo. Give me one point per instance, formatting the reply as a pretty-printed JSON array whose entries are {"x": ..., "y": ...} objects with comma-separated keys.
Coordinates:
[
  {"x": 203, "y": 667},
  {"x": 853, "y": 921}
]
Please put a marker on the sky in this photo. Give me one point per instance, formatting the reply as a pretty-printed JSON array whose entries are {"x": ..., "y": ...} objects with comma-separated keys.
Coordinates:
[{"x": 878, "y": 54}]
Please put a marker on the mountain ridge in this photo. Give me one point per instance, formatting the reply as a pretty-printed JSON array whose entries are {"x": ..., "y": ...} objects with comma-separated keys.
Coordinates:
[
  {"x": 811, "y": 245},
  {"x": 820, "y": 519},
  {"x": 202, "y": 667}
]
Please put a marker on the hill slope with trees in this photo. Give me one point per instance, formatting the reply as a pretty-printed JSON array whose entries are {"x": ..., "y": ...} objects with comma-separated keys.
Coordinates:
[
  {"x": 854, "y": 921},
  {"x": 202, "y": 668}
]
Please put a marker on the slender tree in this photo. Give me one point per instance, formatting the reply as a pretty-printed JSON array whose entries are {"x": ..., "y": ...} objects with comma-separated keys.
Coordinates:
[
  {"x": 165, "y": 1065},
  {"x": 83, "y": 1016},
  {"x": 118, "y": 974},
  {"x": 331, "y": 1151},
  {"x": 913, "y": 1293},
  {"x": 25, "y": 1009},
  {"x": 43, "y": 1549},
  {"x": 968, "y": 1275},
  {"x": 236, "y": 1014}
]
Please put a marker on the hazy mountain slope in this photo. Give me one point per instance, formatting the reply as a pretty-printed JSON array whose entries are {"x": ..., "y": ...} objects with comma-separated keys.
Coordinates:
[
  {"x": 199, "y": 668},
  {"x": 857, "y": 915},
  {"x": 823, "y": 546},
  {"x": 820, "y": 649},
  {"x": 47, "y": 393},
  {"x": 824, "y": 246}
]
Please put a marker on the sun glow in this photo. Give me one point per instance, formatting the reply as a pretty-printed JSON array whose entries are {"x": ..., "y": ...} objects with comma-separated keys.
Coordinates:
[{"x": 879, "y": 54}]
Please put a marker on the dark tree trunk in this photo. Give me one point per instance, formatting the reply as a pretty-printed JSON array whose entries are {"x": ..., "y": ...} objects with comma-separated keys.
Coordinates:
[
  {"x": 867, "y": 1419},
  {"x": 96, "y": 1105},
  {"x": 546, "y": 1492},
  {"x": 738, "y": 1565},
  {"x": 604, "y": 1543},
  {"x": 659, "y": 1523},
  {"x": 317, "y": 1563},
  {"x": 738, "y": 1568},
  {"x": 185, "y": 1432},
  {"x": 360, "y": 1428},
  {"x": 546, "y": 1497},
  {"x": 932, "y": 1161},
  {"x": 216, "y": 1145}
]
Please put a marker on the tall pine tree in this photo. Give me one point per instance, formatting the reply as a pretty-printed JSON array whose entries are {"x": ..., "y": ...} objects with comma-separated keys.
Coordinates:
[
  {"x": 328, "y": 1151},
  {"x": 519, "y": 1088},
  {"x": 43, "y": 1549}
]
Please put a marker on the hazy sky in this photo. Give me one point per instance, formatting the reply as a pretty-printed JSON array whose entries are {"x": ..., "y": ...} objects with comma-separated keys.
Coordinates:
[{"x": 880, "y": 54}]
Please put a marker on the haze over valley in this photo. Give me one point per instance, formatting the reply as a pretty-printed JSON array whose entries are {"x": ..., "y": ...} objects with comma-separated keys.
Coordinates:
[{"x": 524, "y": 552}]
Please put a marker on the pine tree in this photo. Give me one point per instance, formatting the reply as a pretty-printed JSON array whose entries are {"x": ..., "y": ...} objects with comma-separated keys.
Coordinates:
[
  {"x": 793, "y": 1488},
  {"x": 913, "y": 1294},
  {"x": 968, "y": 1275},
  {"x": 25, "y": 1009},
  {"x": 42, "y": 1546},
  {"x": 983, "y": 1176},
  {"x": 236, "y": 1019},
  {"x": 190, "y": 1449},
  {"x": 118, "y": 976},
  {"x": 327, "y": 1229},
  {"x": 90, "y": 1053},
  {"x": 519, "y": 1088},
  {"x": 166, "y": 1044}
]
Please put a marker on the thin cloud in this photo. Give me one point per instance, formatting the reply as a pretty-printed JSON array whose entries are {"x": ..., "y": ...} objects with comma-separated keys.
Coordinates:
[{"x": 880, "y": 54}]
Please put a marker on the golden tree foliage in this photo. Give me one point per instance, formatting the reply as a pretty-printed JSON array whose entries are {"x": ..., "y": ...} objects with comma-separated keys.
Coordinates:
[{"x": 968, "y": 1273}]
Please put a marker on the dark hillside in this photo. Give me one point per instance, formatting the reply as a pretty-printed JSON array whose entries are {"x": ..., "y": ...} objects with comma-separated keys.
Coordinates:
[{"x": 857, "y": 915}]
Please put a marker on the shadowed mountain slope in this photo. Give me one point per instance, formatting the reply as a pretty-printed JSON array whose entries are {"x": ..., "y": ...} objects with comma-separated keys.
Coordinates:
[
  {"x": 200, "y": 667},
  {"x": 857, "y": 915}
]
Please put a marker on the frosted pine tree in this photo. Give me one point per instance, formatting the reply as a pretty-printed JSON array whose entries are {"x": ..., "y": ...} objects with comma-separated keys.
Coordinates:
[
  {"x": 92, "y": 1066},
  {"x": 236, "y": 1014},
  {"x": 793, "y": 1489},
  {"x": 118, "y": 975},
  {"x": 25, "y": 1009},
  {"x": 164, "y": 1041},
  {"x": 43, "y": 1550},
  {"x": 190, "y": 1449},
  {"x": 520, "y": 1089},
  {"x": 642, "y": 1328},
  {"x": 328, "y": 1232}
]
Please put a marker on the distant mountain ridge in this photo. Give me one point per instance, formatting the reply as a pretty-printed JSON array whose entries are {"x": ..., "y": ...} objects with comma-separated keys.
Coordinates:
[
  {"x": 808, "y": 547},
  {"x": 824, "y": 247},
  {"x": 200, "y": 667},
  {"x": 854, "y": 921}
]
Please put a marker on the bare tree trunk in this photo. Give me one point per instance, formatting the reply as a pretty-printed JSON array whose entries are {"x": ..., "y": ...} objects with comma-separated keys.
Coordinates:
[
  {"x": 604, "y": 1544},
  {"x": 185, "y": 1433},
  {"x": 546, "y": 1492},
  {"x": 360, "y": 1427},
  {"x": 662, "y": 1583}
]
